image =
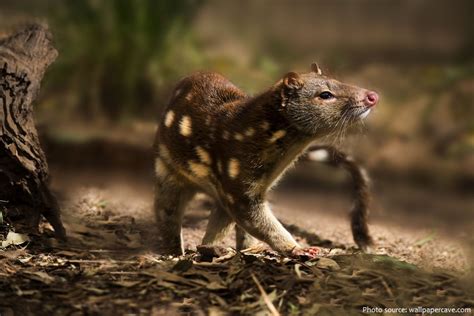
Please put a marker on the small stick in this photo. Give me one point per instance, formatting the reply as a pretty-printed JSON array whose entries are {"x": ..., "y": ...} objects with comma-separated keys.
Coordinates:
[
  {"x": 266, "y": 299},
  {"x": 100, "y": 261},
  {"x": 387, "y": 288},
  {"x": 210, "y": 264}
]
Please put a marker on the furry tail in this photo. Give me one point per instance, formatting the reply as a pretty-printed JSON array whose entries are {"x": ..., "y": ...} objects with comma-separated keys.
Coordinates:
[{"x": 361, "y": 187}]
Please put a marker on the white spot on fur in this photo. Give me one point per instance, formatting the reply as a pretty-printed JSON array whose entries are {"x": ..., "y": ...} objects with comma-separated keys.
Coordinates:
[
  {"x": 265, "y": 125},
  {"x": 225, "y": 135},
  {"x": 203, "y": 155},
  {"x": 169, "y": 118},
  {"x": 318, "y": 155},
  {"x": 164, "y": 152},
  {"x": 160, "y": 168},
  {"x": 185, "y": 126},
  {"x": 189, "y": 96},
  {"x": 234, "y": 168},
  {"x": 249, "y": 132},
  {"x": 198, "y": 169},
  {"x": 177, "y": 93},
  {"x": 277, "y": 135},
  {"x": 238, "y": 136},
  {"x": 230, "y": 198}
]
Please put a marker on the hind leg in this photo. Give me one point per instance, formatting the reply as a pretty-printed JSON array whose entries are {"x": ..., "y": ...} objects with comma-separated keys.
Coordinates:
[
  {"x": 171, "y": 198},
  {"x": 218, "y": 226},
  {"x": 244, "y": 240},
  {"x": 256, "y": 218}
]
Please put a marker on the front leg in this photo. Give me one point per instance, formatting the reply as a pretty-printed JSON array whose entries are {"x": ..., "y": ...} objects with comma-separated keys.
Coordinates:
[{"x": 256, "y": 218}]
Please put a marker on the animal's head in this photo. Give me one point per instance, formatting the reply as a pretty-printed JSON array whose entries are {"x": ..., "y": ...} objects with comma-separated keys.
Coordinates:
[{"x": 317, "y": 105}]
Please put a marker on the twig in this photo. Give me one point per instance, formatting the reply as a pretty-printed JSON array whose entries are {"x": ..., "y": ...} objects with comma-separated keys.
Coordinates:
[
  {"x": 265, "y": 297},
  {"x": 280, "y": 303},
  {"x": 101, "y": 261},
  {"x": 387, "y": 288},
  {"x": 210, "y": 264}
]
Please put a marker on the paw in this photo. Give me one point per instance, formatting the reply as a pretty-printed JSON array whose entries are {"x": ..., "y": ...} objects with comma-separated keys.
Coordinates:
[{"x": 307, "y": 252}]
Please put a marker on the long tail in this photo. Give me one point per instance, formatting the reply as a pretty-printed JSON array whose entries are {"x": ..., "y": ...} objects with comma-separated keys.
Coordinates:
[{"x": 361, "y": 187}]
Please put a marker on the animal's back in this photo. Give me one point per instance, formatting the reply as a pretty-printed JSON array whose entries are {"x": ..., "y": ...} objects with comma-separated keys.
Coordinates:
[
  {"x": 189, "y": 125},
  {"x": 204, "y": 91}
]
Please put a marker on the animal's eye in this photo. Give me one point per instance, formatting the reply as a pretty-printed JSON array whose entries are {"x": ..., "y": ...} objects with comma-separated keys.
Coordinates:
[{"x": 326, "y": 95}]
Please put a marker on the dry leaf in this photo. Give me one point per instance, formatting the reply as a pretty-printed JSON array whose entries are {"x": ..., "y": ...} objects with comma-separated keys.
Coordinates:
[
  {"x": 14, "y": 239},
  {"x": 326, "y": 263}
]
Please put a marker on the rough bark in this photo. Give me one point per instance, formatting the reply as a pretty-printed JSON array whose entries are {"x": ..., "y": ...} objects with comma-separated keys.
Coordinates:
[{"x": 24, "y": 192}]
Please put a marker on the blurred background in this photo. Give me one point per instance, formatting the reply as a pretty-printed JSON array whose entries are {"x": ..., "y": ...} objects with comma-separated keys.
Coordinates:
[{"x": 118, "y": 61}]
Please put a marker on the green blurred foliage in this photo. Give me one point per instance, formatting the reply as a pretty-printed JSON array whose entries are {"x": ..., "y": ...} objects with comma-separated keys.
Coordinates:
[
  {"x": 115, "y": 54},
  {"x": 119, "y": 59}
]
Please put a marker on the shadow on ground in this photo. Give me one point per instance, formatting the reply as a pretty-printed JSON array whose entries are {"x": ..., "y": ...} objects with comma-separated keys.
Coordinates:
[{"x": 108, "y": 267}]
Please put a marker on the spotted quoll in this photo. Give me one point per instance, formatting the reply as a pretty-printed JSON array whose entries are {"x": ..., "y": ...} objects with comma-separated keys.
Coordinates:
[{"x": 215, "y": 138}]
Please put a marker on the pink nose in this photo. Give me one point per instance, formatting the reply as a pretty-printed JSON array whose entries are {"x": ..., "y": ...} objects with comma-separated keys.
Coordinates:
[{"x": 371, "y": 98}]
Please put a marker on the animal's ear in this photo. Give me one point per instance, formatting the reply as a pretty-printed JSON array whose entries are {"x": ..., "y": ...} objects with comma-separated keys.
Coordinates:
[
  {"x": 292, "y": 82},
  {"x": 315, "y": 68}
]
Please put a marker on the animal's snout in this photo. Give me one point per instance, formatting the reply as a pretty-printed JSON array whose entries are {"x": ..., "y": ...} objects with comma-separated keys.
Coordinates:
[{"x": 371, "y": 98}]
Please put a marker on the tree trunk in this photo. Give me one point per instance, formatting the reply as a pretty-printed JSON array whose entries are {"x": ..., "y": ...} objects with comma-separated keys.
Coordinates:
[{"x": 24, "y": 192}]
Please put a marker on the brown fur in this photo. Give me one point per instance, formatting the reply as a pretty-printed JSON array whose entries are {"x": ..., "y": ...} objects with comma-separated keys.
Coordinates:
[{"x": 214, "y": 138}]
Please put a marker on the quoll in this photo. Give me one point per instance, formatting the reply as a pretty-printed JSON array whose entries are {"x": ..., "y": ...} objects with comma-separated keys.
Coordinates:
[{"x": 216, "y": 139}]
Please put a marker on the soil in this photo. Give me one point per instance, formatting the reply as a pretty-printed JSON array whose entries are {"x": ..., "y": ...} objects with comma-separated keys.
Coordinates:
[{"x": 108, "y": 265}]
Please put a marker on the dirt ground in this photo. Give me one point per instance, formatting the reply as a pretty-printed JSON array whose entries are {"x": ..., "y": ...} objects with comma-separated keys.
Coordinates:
[
  {"x": 399, "y": 223},
  {"x": 109, "y": 266}
]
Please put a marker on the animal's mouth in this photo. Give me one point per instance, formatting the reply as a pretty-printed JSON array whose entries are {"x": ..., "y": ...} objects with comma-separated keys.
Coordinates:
[
  {"x": 365, "y": 113},
  {"x": 358, "y": 111}
]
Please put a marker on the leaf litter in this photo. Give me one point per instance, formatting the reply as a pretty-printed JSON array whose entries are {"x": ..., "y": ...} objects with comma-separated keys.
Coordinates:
[
  {"x": 107, "y": 283},
  {"x": 105, "y": 269}
]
